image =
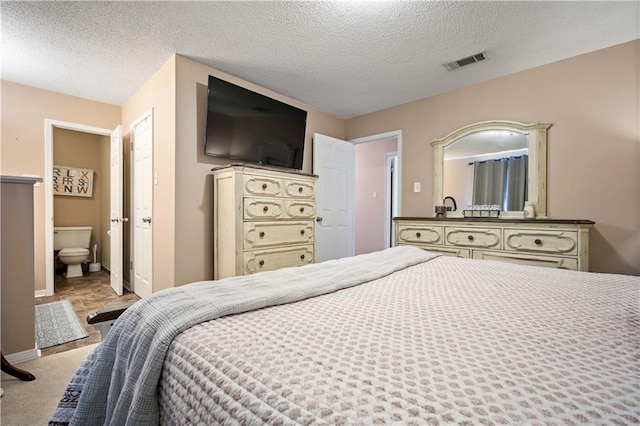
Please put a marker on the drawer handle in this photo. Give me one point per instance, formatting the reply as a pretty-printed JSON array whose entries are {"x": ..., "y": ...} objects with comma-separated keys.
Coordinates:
[
  {"x": 301, "y": 209},
  {"x": 538, "y": 241},
  {"x": 470, "y": 237},
  {"x": 302, "y": 232},
  {"x": 418, "y": 234},
  {"x": 265, "y": 209},
  {"x": 261, "y": 263},
  {"x": 264, "y": 186},
  {"x": 300, "y": 189},
  {"x": 302, "y": 257},
  {"x": 262, "y": 235}
]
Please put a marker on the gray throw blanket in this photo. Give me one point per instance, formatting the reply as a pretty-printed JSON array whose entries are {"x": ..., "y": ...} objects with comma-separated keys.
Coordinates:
[{"x": 122, "y": 386}]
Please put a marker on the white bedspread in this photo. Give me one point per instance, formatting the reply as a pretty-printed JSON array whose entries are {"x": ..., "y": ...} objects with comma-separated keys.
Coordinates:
[
  {"x": 449, "y": 341},
  {"x": 122, "y": 385}
]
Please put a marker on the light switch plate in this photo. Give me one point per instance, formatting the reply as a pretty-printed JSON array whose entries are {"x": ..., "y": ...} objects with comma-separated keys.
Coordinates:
[{"x": 416, "y": 186}]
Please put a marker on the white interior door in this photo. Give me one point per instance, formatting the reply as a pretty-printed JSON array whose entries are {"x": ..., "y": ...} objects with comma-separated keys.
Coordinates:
[
  {"x": 334, "y": 163},
  {"x": 117, "y": 220},
  {"x": 142, "y": 140}
]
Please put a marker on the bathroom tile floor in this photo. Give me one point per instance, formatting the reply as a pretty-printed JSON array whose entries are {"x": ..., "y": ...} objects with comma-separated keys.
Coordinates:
[{"x": 87, "y": 294}]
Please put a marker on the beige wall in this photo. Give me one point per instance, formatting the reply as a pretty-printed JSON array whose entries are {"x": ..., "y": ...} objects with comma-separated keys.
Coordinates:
[
  {"x": 24, "y": 110},
  {"x": 370, "y": 176},
  {"x": 158, "y": 94},
  {"x": 594, "y": 144},
  {"x": 86, "y": 151},
  {"x": 458, "y": 175},
  {"x": 194, "y": 183}
]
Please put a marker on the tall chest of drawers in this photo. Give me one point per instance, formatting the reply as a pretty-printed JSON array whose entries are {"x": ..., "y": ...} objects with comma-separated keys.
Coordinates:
[
  {"x": 562, "y": 244},
  {"x": 264, "y": 219}
]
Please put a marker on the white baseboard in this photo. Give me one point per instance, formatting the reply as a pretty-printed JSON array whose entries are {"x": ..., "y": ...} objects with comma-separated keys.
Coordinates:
[
  {"x": 23, "y": 356},
  {"x": 40, "y": 293}
]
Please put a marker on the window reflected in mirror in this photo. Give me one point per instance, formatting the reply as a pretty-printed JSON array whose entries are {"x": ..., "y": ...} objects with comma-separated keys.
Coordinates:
[{"x": 487, "y": 167}]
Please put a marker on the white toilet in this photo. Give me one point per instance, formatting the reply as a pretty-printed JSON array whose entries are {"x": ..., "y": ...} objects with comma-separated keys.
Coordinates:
[{"x": 73, "y": 243}]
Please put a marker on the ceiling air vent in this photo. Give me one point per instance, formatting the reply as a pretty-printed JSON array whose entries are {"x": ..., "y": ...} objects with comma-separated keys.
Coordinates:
[{"x": 465, "y": 61}]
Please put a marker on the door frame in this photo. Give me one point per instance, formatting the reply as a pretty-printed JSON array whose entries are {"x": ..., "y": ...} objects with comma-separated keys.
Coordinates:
[
  {"x": 397, "y": 134},
  {"x": 391, "y": 196},
  {"x": 49, "y": 125},
  {"x": 116, "y": 197}
]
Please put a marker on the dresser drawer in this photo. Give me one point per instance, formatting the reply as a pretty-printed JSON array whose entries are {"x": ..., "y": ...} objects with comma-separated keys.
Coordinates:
[
  {"x": 262, "y": 186},
  {"x": 416, "y": 234},
  {"x": 473, "y": 237},
  {"x": 269, "y": 260},
  {"x": 299, "y": 209},
  {"x": 262, "y": 208},
  {"x": 549, "y": 243},
  {"x": 299, "y": 189},
  {"x": 268, "y": 234},
  {"x": 541, "y": 241},
  {"x": 528, "y": 259}
]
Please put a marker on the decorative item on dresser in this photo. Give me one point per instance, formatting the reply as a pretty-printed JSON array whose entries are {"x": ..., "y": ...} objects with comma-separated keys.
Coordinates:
[
  {"x": 562, "y": 244},
  {"x": 263, "y": 219}
]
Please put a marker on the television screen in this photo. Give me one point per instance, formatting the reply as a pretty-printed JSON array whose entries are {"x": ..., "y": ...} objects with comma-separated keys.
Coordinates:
[{"x": 253, "y": 128}]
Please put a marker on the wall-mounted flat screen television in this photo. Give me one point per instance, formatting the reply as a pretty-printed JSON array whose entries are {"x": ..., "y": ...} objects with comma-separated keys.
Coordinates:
[{"x": 247, "y": 126}]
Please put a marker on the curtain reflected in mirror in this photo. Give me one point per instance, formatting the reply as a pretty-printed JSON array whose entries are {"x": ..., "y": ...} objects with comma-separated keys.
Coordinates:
[{"x": 501, "y": 181}]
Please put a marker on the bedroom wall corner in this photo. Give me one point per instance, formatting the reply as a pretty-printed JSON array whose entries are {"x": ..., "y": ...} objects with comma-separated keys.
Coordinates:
[{"x": 158, "y": 93}]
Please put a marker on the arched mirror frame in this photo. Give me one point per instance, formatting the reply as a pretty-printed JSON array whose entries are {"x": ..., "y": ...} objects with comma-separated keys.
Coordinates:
[{"x": 537, "y": 170}]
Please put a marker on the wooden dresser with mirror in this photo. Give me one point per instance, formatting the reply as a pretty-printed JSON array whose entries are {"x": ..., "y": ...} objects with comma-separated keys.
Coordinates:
[{"x": 510, "y": 237}]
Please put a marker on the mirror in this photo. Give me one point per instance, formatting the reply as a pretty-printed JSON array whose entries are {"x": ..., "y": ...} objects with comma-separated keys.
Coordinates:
[{"x": 517, "y": 152}]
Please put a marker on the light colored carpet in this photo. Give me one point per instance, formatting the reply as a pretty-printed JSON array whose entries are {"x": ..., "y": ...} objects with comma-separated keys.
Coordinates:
[
  {"x": 57, "y": 323},
  {"x": 33, "y": 403}
]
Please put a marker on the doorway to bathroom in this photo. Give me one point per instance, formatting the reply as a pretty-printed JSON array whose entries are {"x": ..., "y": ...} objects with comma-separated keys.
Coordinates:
[{"x": 83, "y": 156}]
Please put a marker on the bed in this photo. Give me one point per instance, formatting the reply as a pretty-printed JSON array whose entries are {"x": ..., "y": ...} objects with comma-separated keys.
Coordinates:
[{"x": 401, "y": 336}]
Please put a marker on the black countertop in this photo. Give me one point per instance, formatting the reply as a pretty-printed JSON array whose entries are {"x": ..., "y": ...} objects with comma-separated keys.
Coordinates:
[{"x": 499, "y": 220}]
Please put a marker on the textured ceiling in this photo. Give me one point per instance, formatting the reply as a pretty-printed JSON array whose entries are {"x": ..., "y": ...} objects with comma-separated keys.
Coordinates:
[{"x": 346, "y": 58}]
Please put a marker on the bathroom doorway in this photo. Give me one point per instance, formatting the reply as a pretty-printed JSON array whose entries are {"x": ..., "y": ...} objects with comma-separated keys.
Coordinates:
[{"x": 87, "y": 148}]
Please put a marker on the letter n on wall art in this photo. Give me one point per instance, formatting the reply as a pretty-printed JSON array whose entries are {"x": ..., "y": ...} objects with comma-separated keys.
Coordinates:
[{"x": 72, "y": 181}]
